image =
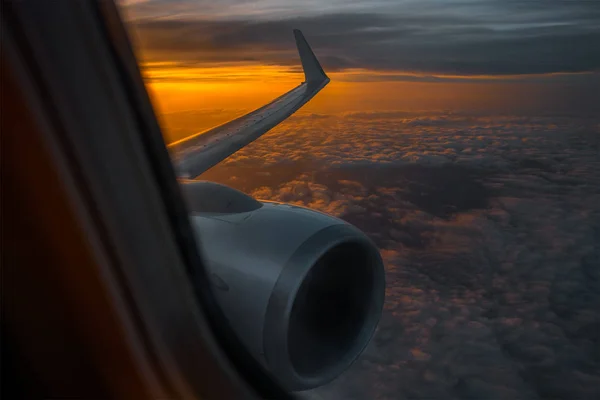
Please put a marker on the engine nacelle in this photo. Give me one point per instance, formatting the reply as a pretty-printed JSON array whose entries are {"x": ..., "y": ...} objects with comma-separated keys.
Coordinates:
[{"x": 303, "y": 290}]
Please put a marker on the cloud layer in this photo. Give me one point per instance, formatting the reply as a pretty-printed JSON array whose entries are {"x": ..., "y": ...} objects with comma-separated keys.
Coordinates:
[
  {"x": 490, "y": 230},
  {"x": 438, "y": 37}
]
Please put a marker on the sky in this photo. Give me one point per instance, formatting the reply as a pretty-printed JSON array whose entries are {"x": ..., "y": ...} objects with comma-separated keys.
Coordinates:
[
  {"x": 503, "y": 56},
  {"x": 462, "y": 136},
  {"x": 456, "y": 37}
]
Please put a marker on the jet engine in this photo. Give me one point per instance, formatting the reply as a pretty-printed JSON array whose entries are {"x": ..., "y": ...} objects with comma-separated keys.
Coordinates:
[{"x": 303, "y": 290}]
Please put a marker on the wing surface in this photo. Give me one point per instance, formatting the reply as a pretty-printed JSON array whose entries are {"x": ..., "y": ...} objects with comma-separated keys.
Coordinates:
[{"x": 197, "y": 153}]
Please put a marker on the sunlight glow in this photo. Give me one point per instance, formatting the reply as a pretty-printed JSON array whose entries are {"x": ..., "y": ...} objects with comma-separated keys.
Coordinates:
[{"x": 192, "y": 99}]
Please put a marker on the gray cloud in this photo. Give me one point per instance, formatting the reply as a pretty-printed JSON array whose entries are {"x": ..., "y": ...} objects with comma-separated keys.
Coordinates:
[
  {"x": 485, "y": 37},
  {"x": 490, "y": 230},
  {"x": 400, "y": 139}
]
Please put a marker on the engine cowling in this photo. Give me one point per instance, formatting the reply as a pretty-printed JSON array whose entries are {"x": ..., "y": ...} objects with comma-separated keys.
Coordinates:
[{"x": 303, "y": 290}]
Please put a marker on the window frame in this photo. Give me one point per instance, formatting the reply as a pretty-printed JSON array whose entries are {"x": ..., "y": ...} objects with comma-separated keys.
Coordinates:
[{"x": 74, "y": 62}]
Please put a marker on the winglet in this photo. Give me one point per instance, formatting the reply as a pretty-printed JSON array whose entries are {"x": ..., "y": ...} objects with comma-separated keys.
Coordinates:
[{"x": 312, "y": 69}]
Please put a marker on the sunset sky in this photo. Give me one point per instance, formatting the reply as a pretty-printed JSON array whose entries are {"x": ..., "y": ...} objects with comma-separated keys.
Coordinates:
[{"x": 486, "y": 56}]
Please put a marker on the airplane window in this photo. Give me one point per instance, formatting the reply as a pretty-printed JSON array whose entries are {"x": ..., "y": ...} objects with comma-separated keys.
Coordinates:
[{"x": 457, "y": 143}]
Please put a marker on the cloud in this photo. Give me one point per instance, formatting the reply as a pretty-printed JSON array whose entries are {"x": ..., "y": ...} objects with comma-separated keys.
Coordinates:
[
  {"x": 302, "y": 191},
  {"x": 492, "y": 255},
  {"x": 396, "y": 139},
  {"x": 465, "y": 38}
]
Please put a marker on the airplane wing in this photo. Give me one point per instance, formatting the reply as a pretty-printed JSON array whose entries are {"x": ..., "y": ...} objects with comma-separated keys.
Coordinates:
[{"x": 197, "y": 153}]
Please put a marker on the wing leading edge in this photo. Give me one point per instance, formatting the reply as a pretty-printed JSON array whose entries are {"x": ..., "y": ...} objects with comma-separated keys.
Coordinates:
[{"x": 197, "y": 153}]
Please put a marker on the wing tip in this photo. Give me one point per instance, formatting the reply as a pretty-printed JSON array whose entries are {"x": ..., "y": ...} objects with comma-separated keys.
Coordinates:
[{"x": 313, "y": 71}]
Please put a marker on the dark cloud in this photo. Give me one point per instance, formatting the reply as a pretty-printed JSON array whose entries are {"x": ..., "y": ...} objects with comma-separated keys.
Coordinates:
[
  {"x": 508, "y": 38},
  {"x": 490, "y": 230}
]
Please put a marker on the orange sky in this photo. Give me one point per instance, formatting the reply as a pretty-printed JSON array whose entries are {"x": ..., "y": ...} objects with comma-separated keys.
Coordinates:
[{"x": 190, "y": 100}]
